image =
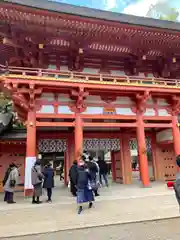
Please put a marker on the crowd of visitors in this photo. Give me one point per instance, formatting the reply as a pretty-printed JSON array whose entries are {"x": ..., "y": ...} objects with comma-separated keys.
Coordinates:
[{"x": 85, "y": 178}]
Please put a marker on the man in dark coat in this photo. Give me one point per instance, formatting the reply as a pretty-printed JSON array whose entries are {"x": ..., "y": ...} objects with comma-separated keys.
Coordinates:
[
  {"x": 48, "y": 180},
  {"x": 73, "y": 172},
  {"x": 94, "y": 174},
  {"x": 103, "y": 171}
]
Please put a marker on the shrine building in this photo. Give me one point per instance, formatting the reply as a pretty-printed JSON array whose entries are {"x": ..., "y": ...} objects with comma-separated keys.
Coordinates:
[{"x": 85, "y": 79}]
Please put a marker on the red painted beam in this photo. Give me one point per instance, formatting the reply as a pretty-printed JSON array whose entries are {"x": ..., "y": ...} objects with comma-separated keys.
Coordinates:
[
  {"x": 54, "y": 124},
  {"x": 110, "y": 87},
  {"x": 157, "y": 125},
  {"x": 110, "y": 117},
  {"x": 55, "y": 116},
  {"x": 109, "y": 125},
  {"x": 158, "y": 118}
]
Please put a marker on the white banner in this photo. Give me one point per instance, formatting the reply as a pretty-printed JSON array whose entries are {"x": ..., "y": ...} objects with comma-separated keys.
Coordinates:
[{"x": 28, "y": 166}]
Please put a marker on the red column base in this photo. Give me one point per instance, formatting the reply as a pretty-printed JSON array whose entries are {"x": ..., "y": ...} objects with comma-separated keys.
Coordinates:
[{"x": 28, "y": 192}]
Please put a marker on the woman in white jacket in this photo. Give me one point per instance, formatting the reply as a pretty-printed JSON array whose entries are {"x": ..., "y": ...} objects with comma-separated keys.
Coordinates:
[{"x": 10, "y": 183}]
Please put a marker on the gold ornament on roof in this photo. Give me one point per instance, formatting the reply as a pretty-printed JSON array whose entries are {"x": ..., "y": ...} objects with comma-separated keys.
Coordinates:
[{"x": 41, "y": 46}]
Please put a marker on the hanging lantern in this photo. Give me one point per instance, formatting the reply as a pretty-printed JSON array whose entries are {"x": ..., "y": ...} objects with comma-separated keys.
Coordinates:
[
  {"x": 174, "y": 60},
  {"x": 81, "y": 51}
]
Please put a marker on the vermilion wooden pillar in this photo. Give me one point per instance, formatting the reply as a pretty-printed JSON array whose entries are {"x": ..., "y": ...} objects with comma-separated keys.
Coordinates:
[
  {"x": 176, "y": 134},
  {"x": 78, "y": 137},
  {"x": 143, "y": 162},
  {"x": 30, "y": 152},
  {"x": 70, "y": 150}
]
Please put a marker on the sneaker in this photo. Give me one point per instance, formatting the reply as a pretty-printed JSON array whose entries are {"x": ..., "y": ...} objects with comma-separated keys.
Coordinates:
[
  {"x": 90, "y": 205},
  {"x": 80, "y": 210},
  {"x": 11, "y": 202},
  {"x": 34, "y": 202}
]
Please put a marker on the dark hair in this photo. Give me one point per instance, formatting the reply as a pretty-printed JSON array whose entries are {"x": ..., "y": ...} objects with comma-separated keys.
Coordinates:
[
  {"x": 49, "y": 164},
  {"x": 38, "y": 162},
  {"x": 178, "y": 160},
  {"x": 83, "y": 158},
  {"x": 75, "y": 162},
  {"x": 12, "y": 165},
  {"x": 90, "y": 158}
]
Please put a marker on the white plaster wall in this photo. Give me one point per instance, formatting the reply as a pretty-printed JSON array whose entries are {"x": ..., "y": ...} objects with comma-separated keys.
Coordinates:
[
  {"x": 91, "y": 70},
  {"x": 162, "y": 102},
  {"x": 46, "y": 109},
  {"x": 94, "y": 110},
  {"x": 117, "y": 73},
  {"x": 64, "y": 68},
  {"x": 64, "y": 110},
  {"x": 52, "y": 66},
  {"x": 165, "y": 135},
  {"x": 150, "y": 112},
  {"x": 163, "y": 112},
  {"x": 150, "y": 101},
  {"x": 124, "y": 111},
  {"x": 47, "y": 96},
  {"x": 64, "y": 98},
  {"x": 93, "y": 99},
  {"x": 123, "y": 100}
]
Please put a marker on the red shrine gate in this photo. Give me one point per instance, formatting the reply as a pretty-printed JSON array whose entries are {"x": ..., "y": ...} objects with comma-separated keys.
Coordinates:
[{"x": 67, "y": 74}]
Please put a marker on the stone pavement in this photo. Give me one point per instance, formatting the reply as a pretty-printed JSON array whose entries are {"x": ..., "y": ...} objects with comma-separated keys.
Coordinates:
[
  {"x": 155, "y": 230},
  {"x": 117, "y": 204}
]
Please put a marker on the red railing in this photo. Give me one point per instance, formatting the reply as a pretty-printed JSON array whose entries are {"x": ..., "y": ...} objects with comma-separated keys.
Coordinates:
[{"x": 85, "y": 77}]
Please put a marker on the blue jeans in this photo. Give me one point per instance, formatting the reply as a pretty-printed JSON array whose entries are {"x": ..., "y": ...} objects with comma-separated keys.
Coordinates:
[{"x": 104, "y": 177}]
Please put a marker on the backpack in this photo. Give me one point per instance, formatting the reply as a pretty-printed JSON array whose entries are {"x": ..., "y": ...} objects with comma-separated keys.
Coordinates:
[
  {"x": 92, "y": 167},
  {"x": 6, "y": 176},
  {"x": 177, "y": 190}
]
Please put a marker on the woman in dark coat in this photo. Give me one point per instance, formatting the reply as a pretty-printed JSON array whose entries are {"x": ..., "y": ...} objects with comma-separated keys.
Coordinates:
[
  {"x": 48, "y": 180},
  {"x": 73, "y": 178},
  {"x": 84, "y": 189}
]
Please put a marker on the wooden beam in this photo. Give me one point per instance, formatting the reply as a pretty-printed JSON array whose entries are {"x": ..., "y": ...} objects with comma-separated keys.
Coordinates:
[
  {"x": 158, "y": 118},
  {"x": 110, "y": 117},
  {"x": 54, "y": 124},
  {"x": 55, "y": 116},
  {"x": 109, "y": 125},
  {"x": 67, "y": 83},
  {"x": 158, "y": 125}
]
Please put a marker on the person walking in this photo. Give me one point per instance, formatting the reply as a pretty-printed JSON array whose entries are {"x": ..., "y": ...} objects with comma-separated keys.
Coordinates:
[
  {"x": 73, "y": 172},
  {"x": 103, "y": 171},
  {"x": 94, "y": 173},
  {"x": 48, "y": 183},
  {"x": 61, "y": 171},
  {"x": 10, "y": 181},
  {"x": 37, "y": 178},
  {"x": 84, "y": 189}
]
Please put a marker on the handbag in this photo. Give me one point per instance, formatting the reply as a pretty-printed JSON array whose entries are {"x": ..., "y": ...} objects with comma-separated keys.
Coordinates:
[
  {"x": 12, "y": 183},
  {"x": 39, "y": 176}
]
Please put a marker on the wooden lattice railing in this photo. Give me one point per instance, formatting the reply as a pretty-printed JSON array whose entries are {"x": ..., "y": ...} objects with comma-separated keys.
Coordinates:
[{"x": 87, "y": 78}]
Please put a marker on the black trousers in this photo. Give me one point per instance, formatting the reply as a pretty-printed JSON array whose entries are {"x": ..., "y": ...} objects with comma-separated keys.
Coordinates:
[
  {"x": 73, "y": 188},
  {"x": 49, "y": 193},
  {"x": 8, "y": 197}
]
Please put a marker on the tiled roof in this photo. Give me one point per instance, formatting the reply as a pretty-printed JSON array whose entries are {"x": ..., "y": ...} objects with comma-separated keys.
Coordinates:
[{"x": 98, "y": 14}]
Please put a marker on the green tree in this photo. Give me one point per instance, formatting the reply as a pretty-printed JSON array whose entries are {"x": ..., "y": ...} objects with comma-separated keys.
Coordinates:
[{"x": 163, "y": 10}]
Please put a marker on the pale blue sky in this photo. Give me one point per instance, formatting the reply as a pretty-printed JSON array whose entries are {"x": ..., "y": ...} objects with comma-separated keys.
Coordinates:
[{"x": 134, "y": 7}]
